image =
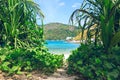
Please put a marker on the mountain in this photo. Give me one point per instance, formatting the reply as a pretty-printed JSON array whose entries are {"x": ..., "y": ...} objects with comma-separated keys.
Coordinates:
[{"x": 59, "y": 31}]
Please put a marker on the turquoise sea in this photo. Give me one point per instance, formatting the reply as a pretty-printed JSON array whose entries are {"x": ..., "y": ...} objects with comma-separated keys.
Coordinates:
[{"x": 61, "y": 47}]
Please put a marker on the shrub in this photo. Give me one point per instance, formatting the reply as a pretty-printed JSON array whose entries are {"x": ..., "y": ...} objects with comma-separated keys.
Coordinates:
[
  {"x": 17, "y": 60},
  {"x": 94, "y": 64}
]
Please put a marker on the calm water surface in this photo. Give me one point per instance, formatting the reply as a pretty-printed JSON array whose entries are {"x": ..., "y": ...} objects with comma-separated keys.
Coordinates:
[{"x": 61, "y": 47}]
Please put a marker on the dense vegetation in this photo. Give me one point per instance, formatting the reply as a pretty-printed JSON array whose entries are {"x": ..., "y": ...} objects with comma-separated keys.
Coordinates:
[
  {"x": 18, "y": 60},
  {"x": 21, "y": 40},
  {"x": 99, "y": 56},
  {"x": 22, "y": 44},
  {"x": 58, "y": 31},
  {"x": 94, "y": 64}
]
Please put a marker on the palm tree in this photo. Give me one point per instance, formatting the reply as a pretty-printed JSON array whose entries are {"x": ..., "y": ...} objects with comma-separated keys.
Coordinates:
[
  {"x": 104, "y": 14},
  {"x": 17, "y": 20}
]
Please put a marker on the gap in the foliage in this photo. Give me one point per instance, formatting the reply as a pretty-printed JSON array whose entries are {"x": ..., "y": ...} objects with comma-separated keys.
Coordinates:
[{"x": 61, "y": 47}]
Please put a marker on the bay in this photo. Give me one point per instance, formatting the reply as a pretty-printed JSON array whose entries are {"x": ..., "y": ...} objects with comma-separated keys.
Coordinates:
[{"x": 60, "y": 46}]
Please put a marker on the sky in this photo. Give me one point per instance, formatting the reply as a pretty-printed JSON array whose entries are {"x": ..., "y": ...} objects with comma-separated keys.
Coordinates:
[{"x": 58, "y": 10}]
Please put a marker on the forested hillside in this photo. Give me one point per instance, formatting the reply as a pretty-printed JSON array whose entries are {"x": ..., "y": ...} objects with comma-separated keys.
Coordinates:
[{"x": 59, "y": 31}]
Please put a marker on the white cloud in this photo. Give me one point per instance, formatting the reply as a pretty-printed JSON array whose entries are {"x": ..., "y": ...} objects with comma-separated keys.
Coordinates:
[
  {"x": 75, "y": 5},
  {"x": 61, "y": 4}
]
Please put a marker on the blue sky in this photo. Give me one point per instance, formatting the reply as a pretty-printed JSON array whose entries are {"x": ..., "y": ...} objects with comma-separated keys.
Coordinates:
[{"x": 58, "y": 10}]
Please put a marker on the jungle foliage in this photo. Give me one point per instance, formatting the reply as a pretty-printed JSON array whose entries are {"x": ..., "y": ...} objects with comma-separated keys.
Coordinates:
[
  {"x": 16, "y": 61},
  {"x": 18, "y": 23},
  {"x": 21, "y": 39},
  {"x": 104, "y": 14},
  {"x": 92, "y": 63},
  {"x": 98, "y": 57}
]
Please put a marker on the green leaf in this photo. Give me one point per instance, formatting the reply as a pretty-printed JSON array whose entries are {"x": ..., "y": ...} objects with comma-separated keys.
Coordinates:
[
  {"x": 15, "y": 68},
  {"x": 97, "y": 61},
  {"x": 108, "y": 65},
  {"x": 2, "y": 58},
  {"x": 79, "y": 62},
  {"x": 113, "y": 75},
  {"x": 116, "y": 39}
]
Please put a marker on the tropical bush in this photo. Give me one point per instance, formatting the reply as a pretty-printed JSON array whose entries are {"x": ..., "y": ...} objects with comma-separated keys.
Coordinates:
[
  {"x": 94, "y": 64},
  {"x": 103, "y": 14},
  {"x": 98, "y": 58},
  {"x": 21, "y": 39},
  {"x": 18, "y": 27},
  {"x": 18, "y": 60}
]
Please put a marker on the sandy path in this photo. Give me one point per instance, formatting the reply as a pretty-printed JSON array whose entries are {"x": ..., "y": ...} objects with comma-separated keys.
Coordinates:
[{"x": 60, "y": 74}]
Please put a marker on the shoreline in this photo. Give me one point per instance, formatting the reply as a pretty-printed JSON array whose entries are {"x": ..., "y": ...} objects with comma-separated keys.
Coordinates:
[
  {"x": 73, "y": 41},
  {"x": 60, "y": 47},
  {"x": 70, "y": 41}
]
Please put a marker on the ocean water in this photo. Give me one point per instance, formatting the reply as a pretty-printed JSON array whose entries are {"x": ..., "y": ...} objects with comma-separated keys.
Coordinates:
[{"x": 61, "y": 47}]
